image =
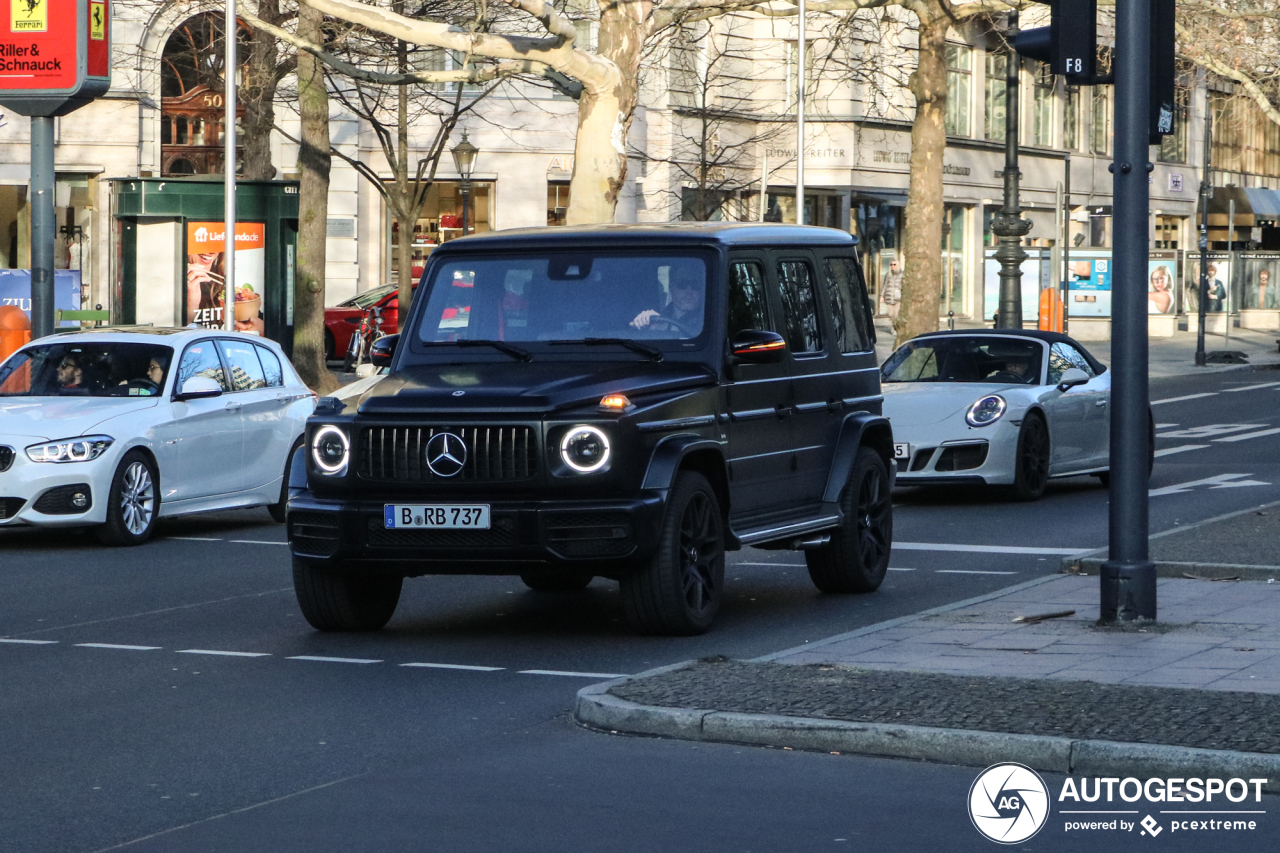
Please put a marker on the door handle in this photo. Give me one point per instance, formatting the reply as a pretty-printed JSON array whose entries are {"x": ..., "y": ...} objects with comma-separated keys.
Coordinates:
[
  {"x": 783, "y": 411},
  {"x": 834, "y": 405},
  {"x": 1101, "y": 403},
  {"x": 233, "y": 406}
]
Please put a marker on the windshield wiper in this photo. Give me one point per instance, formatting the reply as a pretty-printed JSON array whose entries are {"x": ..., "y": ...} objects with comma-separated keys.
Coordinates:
[
  {"x": 653, "y": 353},
  {"x": 502, "y": 346}
]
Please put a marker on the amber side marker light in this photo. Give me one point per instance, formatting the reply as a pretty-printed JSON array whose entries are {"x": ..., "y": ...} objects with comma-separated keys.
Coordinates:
[{"x": 614, "y": 403}]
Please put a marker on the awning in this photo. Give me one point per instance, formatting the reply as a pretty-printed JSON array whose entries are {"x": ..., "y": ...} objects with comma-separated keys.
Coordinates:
[
  {"x": 1265, "y": 203},
  {"x": 893, "y": 197}
]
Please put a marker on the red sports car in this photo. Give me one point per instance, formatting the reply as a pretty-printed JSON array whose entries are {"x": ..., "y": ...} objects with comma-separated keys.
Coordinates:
[{"x": 343, "y": 319}]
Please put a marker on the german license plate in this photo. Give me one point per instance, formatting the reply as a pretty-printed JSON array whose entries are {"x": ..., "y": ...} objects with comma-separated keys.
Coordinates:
[
  {"x": 436, "y": 516},
  {"x": 902, "y": 451}
]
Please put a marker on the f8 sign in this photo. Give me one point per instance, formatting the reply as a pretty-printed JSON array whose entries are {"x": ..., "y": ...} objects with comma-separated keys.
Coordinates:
[
  {"x": 1074, "y": 45},
  {"x": 55, "y": 55}
]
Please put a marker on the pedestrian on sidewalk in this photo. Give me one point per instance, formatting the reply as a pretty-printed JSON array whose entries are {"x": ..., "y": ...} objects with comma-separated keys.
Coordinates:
[{"x": 891, "y": 290}]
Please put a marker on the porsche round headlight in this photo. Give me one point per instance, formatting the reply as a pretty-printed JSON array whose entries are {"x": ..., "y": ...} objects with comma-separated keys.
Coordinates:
[
  {"x": 986, "y": 411},
  {"x": 585, "y": 449},
  {"x": 330, "y": 449}
]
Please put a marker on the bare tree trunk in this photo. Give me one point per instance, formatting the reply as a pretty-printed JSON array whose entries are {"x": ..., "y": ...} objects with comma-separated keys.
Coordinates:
[
  {"x": 258, "y": 93},
  {"x": 313, "y": 212},
  {"x": 923, "y": 240}
]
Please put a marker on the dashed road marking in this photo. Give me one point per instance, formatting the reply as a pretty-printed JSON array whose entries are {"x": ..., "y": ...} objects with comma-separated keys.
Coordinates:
[
  {"x": 30, "y": 642},
  {"x": 456, "y": 666},
  {"x": 1219, "y": 481},
  {"x": 895, "y": 569},
  {"x": 1187, "y": 397},
  {"x": 1183, "y": 448},
  {"x": 1251, "y": 387},
  {"x": 572, "y": 674},
  {"x": 227, "y": 654},
  {"x": 1208, "y": 431},
  {"x": 1249, "y": 435},
  {"x": 194, "y": 538},
  {"x": 770, "y": 565},
  {"x": 985, "y": 549},
  {"x": 118, "y": 646},
  {"x": 255, "y": 542},
  {"x": 969, "y": 572},
  {"x": 333, "y": 660}
]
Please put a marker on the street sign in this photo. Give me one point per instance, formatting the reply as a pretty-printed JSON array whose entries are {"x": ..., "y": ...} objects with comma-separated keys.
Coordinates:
[{"x": 55, "y": 55}]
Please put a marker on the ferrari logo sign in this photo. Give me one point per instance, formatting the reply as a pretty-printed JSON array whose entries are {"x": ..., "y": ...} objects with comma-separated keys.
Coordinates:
[
  {"x": 97, "y": 21},
  {"x": 29, "y": 16}
]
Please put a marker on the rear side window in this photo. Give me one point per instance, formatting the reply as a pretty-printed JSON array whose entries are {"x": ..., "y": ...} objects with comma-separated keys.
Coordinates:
[
  {"x": 748, "y": 301},
  {"x": 271, "y": 367},
  {"x": 799, "y": 307},
  {"x": 848, "y": 306},
  {"x": 246, "y": 370},
  {"x": 202, "y": 360}
]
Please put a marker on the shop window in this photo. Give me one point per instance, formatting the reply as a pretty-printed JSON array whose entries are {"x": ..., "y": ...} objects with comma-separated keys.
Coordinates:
[
  {"x": 959, "y": 83},
  {"x": 954, "y": 260},
  {"x": 557, "y": 202},
  {"x": 441, "y": 221}
]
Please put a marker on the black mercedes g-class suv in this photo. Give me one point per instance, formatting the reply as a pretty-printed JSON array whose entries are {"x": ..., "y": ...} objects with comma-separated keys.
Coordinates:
[{"x": 626, "y": 402}]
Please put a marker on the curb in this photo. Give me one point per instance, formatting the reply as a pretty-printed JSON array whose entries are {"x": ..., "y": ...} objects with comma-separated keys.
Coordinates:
[
  {"x": 595, "y": 708},
  {"x": 1092, "y": 565}
]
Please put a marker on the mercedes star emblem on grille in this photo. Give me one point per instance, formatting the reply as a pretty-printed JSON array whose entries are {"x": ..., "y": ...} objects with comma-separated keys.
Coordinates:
[{"x": 446, "y": 454}]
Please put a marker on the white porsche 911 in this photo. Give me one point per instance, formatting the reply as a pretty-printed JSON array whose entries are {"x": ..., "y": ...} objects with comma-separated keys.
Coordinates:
[
  {"x": 115, "y": 428},
  {"x": 997, "y": 407}
]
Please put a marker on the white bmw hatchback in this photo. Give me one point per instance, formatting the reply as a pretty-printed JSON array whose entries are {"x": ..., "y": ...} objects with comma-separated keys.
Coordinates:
[{"x": 114, "y": 428}]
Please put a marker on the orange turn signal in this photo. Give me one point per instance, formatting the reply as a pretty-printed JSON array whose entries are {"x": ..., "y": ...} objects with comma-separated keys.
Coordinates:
[
  {"x": 765, "y": 347},
  {"x": 614, "y": 402}
]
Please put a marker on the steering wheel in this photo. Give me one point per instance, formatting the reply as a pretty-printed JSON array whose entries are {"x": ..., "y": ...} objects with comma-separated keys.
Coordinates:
[
  {"x": 666, "y": 324},
  {"x": 1007, "y": 376},
  {"x": 151, "y": 388}
]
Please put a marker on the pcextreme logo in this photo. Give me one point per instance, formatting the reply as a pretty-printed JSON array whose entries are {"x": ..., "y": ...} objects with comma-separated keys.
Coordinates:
[{"x": 1008, "y": 803}]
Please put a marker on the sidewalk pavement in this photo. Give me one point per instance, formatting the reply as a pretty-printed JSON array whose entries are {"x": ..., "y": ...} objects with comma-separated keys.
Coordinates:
[{"x": 1195, "y": 693}]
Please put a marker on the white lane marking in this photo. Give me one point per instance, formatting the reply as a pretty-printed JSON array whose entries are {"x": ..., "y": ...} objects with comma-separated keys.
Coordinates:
[
  {"x": 892, "y": 569},
  {"x": 787, "y": 565},
  {"x": 1165, "y": 426},
  {"x": 1248, "y": 435},
  {"x": 968, "y": 572},
  {"x": 227, "y": 654},
  {"x": 1182, "y": 448},
  {"x": 455, "y": 666},
  {"x": 1220, "y": 481},
  {"x": 117, "y": 646},
  {"x": 31, "y": 642},
  {"x": 332, "y": 660},
  {"x": 572, "y": 674},
  {"x": 1187, "y": 397},
  {"x": 193, "y": 538},
  {"x": 255, "y": 542},
  {"x": 1251, "y": 387},
  {"x": 984, "y": 549},
  {"x": 1208, "y": 431}
]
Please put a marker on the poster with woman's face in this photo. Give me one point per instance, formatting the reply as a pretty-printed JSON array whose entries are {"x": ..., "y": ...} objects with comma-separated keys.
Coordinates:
[
  {"x": 206, "y": 287},
  {"x": 1160, "y": 277}
]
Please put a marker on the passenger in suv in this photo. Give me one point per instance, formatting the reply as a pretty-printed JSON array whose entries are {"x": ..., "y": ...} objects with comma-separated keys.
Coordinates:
[{"x": 531, "y": 426}]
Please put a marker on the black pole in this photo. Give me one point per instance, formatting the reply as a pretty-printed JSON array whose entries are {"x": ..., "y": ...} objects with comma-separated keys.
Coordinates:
[
  {"x": 1206, "y": 187},
  {"x": 1128, "y": 578},
  {"x": 466, "y": 192},
  {"x": 43, "y": 226},
  {"x": 1065, "y": 272},
  {"x": 1008, "y": 225}
]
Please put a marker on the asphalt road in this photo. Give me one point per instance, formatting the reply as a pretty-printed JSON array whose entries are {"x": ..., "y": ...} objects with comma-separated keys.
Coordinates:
[{"x": 172, "y": 698}]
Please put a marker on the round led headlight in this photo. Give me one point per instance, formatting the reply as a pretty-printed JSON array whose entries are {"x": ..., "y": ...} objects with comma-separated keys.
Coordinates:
[
  {"x": 986, "y": 411},
  {"x": 330, "y": 449},
  {"x": 585, "y": 449},
  {"x": 70, "y": 449}
]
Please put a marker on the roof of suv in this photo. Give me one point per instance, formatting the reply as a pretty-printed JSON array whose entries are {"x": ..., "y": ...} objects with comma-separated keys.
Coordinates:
[{"x": 691, "y": 233}]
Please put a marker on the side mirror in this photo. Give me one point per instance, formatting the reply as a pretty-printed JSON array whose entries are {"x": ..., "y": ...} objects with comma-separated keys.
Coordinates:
[
  {"x": 1072, "y": 377},
  {"x": 753, "y": 346},
  {"x": 382, "y": 350},
  {"x": 199, "y": 388}
]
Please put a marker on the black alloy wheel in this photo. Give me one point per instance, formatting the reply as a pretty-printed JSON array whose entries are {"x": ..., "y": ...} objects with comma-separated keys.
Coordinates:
[
  {"x": 856, "y": 558},
  {"x": 679, "y": 591},
  {"x": 1031, "y": 466}
]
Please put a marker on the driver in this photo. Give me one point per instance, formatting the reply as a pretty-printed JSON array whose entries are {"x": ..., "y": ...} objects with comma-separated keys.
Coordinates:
[
  {"x": 1015, "y": 365},
  {"x": 686, "y": 301},
  {"x": 70, "y": 373}
]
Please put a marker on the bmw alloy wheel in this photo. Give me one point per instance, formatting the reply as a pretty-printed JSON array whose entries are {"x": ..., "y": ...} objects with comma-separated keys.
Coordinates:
[{"x": 137, "y": 498}]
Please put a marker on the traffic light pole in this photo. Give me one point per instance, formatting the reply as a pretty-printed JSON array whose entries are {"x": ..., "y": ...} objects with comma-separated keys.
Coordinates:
[
  {"x": 1128, "y": 577},
  {"x": 43, "y": 226}
]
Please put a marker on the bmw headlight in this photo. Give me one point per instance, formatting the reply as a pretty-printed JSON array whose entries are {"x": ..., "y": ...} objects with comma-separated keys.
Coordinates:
[
  {"x": 80, "y": 449},
  {"x": 330, "y": 450},
  {"x": 986, "y": 411},
  {"x": 585, "y": 449}
]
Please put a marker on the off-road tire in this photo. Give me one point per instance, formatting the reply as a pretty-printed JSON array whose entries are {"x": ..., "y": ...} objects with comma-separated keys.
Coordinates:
[
  {"x": 678, "y": 592},
  {"x": 857, "y": 557},
  {"x": 334, "y": 600}
]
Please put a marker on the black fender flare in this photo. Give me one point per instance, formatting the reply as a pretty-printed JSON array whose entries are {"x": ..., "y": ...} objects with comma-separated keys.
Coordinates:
[
  {"x": 858, "y": 429},
  {"x": 298, "y": 470},
  {"x": 670, "y": 452}
]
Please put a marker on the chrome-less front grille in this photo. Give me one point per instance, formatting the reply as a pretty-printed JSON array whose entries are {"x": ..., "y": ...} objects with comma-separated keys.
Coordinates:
[
  {"x": 6, "y": 457},
  {"x": 494, "y": 453}
]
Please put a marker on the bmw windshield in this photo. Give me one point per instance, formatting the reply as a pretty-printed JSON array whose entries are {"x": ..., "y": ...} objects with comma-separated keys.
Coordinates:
[{"x": 560, "y": 298}]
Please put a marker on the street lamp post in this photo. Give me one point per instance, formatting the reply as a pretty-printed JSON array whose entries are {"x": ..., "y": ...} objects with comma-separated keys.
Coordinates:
[
  {"x": 464, "y": 158},
  {"x": 1008, "y": 225}
]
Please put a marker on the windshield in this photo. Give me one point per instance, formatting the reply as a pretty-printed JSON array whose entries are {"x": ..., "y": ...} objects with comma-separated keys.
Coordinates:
[
  {"x": 566, "y": 297},
  {"x": 369, "y": 297},
  {"x": 86, "y": 369},
  {"x": 965, "y": 359}
]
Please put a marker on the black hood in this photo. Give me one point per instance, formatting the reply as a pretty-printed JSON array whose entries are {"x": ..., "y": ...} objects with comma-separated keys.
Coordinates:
[{"x": 532, "y": 387}]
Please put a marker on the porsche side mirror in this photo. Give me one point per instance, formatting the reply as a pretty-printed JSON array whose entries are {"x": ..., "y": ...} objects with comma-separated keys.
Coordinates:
[
  {"x": 1072, "y": 377},
  {"x": 382, "y": 350},
  {"x": 753, "y": 346},
  {"x": 199, "y": 388}
]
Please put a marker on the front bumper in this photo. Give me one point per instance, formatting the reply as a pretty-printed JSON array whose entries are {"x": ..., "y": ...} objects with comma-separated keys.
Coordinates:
[
  {"x": 39, "y": 493},
  {"x": 523, "y": 536},
  {"x": 982, "y": 458}
]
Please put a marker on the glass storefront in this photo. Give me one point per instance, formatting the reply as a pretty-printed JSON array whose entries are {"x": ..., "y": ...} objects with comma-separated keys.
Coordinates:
[{"x": 440, "y": 222}]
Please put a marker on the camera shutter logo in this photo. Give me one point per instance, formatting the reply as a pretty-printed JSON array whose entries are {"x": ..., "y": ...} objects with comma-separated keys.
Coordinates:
[
  {"x": 446, "y": 454},
  {"x": 1008, "y": 803}
]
